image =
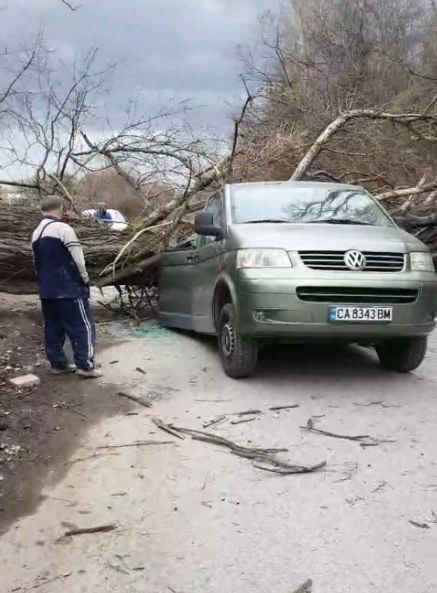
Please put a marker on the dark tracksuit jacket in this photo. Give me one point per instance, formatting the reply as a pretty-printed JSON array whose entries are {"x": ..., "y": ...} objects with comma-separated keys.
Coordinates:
[{"x": 64, "y": 290}]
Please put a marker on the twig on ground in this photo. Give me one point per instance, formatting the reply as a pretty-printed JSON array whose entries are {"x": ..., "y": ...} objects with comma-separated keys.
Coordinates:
[
  {"x": 261, "y": 456},
  {"x": 214, "y": 421},
  {"x": 421, "y": 525},
  {"x": 138, "y": 400},
  {"x": 213, "y": 401},
  {"x": 205, "y": 482},
  {"x": 377, "y": 403},
  {"x": 246, "y": 413},
  {"x": 305, "y": 588},
  {"x": 209, "y": 437},
  {"x": 84, "y": 530},
  {"x": 364, "y": 439},
  {"x": 69, "y": 408},
  {"x": 243, "y": 420},
  {"x": 118, "y": 568},
  {"x": 94, "y": 456},
  {"x": 140, "y": 370},
  {"x": 380, "y": 487},
  {"x": 137, "y": 444},
  {"x": 114, "y": 361},
  {"x": 279, "y": 408},
  {"x": 293, "y": 469},
  {"x": 167, "y": 428},
  {"x": 48, "y": 581}
]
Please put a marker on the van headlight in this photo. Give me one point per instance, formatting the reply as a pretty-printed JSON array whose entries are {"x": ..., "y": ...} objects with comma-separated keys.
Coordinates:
[
  {"x": 263, "y": 258},
  {"x": 421, "y": 262}
]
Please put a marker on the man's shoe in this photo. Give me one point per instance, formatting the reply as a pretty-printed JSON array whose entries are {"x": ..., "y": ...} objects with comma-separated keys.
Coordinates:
[
  {"x": 92, "y": 374},
  {"x": 71, "y": 368}
]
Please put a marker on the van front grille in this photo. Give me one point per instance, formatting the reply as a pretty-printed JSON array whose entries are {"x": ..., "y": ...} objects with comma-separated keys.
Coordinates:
[
  {"x": 357, "y": 295},
  {"x": 376, "y": 261}
]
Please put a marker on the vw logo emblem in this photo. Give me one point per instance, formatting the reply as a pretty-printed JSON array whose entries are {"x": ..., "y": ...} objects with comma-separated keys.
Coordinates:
[{"x": 355, "y": 260}]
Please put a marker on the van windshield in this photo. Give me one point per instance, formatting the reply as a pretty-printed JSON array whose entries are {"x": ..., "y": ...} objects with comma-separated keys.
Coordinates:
[{"x": 306, "y": 204}]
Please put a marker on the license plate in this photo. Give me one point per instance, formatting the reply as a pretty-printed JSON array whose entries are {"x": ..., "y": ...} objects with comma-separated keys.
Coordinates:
[{"x": 361, "y": 314}]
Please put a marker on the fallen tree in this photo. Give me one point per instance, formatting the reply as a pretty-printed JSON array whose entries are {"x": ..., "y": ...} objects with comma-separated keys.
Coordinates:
[
  {"x": 348, "y": 146},
  {"x": 132, "y": 257}
]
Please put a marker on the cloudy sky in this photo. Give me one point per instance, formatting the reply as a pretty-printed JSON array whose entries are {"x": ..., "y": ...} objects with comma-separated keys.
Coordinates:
[{"x": 182, "y": 49}]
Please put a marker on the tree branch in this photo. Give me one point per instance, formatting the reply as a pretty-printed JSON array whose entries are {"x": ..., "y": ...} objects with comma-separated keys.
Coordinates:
[
  {"x": 70, "y": 6},
  {"x": 332, "y": 129}
]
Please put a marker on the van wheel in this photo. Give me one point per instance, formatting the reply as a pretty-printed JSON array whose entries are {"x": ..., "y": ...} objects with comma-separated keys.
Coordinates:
[
  {"x": 402, "y": 354},
  {"x": 239, "y": 354}
]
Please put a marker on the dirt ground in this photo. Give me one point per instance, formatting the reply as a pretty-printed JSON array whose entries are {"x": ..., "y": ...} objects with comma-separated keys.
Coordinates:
[
  {"x": 39, "y": 427},
  {"x": 190, "y": 517}
]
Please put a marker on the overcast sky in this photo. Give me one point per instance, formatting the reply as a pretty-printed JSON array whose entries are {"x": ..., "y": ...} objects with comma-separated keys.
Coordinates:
[{"x": 182, "y": 49}]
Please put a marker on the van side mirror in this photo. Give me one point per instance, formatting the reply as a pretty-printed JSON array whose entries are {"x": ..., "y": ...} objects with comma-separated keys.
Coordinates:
[{"x": 204, "y": 225}]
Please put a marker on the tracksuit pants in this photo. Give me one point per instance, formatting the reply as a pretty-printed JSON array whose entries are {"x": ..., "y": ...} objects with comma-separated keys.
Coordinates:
[{"x": 72, "y": 318}]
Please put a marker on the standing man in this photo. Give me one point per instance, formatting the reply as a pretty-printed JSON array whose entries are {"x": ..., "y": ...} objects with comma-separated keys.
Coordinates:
[
  {"x": 64, "y": 291},
  {"x": 102, "y": 215}
]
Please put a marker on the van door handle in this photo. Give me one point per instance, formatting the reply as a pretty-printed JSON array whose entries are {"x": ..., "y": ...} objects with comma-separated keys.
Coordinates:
[{"x": 193, "y": 258}]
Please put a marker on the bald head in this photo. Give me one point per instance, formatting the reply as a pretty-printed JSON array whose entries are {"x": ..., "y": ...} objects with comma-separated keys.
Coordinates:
[{"x": 52, "y": 205}]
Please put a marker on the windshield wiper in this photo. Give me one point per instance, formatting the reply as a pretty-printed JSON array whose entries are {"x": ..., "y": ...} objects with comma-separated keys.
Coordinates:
[
  {"x": 341, "y": 221},
  {"x": 275, "y": 220}
]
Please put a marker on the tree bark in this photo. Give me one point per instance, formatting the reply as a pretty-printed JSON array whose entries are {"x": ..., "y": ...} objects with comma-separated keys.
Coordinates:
[{"x": 17, "y": 274}]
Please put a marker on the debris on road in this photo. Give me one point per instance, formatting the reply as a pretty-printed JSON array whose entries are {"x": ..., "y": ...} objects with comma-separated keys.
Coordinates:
[
  {"x": 364, "y": 439},
  {"x": 279, "y": 408},
  {"x": 48, "y": 581},
  {"x": 213, "y": 401},
  {"x": 167, "y": 428},
  {"x": 380, "y": 487},
  {"x": 305, "y": 588},
  {"x": 216, "y": 420},
  {"x": 136, "y": 444},
  {"x": 420, "y": 525},
  {"x": 242, "y": 420},
  {"x": 138, "y": 400},
  {"x": 93, "y": 456},
  {"x": 246, "y": 413},
  {"x": 25, "y": 381},
  {"x": 140, "y": 370},
  {"x": 262, "y": 458},
  {"x": 379, "y": 402},
  {"x": 288, "y": 469},
  {"x": 85, "y": 530}
]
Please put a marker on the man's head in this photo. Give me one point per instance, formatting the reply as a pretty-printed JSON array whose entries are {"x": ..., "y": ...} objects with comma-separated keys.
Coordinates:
[
  {"x": 52, "y": 206},
  {"x": 101, "y": 207}
]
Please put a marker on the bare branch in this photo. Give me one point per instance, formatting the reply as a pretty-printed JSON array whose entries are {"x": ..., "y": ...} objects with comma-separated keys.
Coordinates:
[
  {"x": 331, "y": 130},
  {"x": 70, "y": 6}
]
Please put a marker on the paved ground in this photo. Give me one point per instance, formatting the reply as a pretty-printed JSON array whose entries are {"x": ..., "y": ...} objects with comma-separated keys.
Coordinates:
[{"x": 192, "y": 518}]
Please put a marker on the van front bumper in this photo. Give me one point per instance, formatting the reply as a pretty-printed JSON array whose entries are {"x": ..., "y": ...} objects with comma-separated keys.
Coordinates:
[{"x": 271, "y": 308}]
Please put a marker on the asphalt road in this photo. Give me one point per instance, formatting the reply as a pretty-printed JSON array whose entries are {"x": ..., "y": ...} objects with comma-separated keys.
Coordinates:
[{"x": 193, "y": 518}]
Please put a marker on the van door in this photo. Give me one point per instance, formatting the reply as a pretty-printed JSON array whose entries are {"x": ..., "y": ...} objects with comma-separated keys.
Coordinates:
[
  {"x": 176, "y": 286},
  {"x": 206, "y": 269}
]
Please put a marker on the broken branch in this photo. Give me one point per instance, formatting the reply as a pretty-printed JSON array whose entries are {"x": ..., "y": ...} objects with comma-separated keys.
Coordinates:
[
  {"x": 136, "y": 444},
  {"x": 84, "y": 530},
  {"x": 167, "y": 428},
  {"x": 138, "y": 400}
]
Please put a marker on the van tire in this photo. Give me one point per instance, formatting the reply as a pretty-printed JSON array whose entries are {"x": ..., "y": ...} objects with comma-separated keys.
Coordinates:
[
  {"x": 402, "y": 354},
  {"x": 238, "y": 353}
]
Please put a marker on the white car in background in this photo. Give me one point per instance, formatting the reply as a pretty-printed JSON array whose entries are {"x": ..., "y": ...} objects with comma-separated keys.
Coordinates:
[{"x": 118, "y": 223}]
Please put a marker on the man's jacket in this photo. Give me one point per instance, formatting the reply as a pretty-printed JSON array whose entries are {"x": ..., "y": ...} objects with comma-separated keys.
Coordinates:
[{"x": 59, "y": 261}]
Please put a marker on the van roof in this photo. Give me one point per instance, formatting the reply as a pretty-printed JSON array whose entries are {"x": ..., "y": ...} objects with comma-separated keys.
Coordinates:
[{"x": 324, "y": 184}]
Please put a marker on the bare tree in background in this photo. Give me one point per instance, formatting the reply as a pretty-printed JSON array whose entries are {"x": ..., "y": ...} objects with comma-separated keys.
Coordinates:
[{"x": 330, "y": 58}]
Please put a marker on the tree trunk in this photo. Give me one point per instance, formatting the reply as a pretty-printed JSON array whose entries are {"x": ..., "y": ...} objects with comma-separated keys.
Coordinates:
[{"x": 17, "y": 223}]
